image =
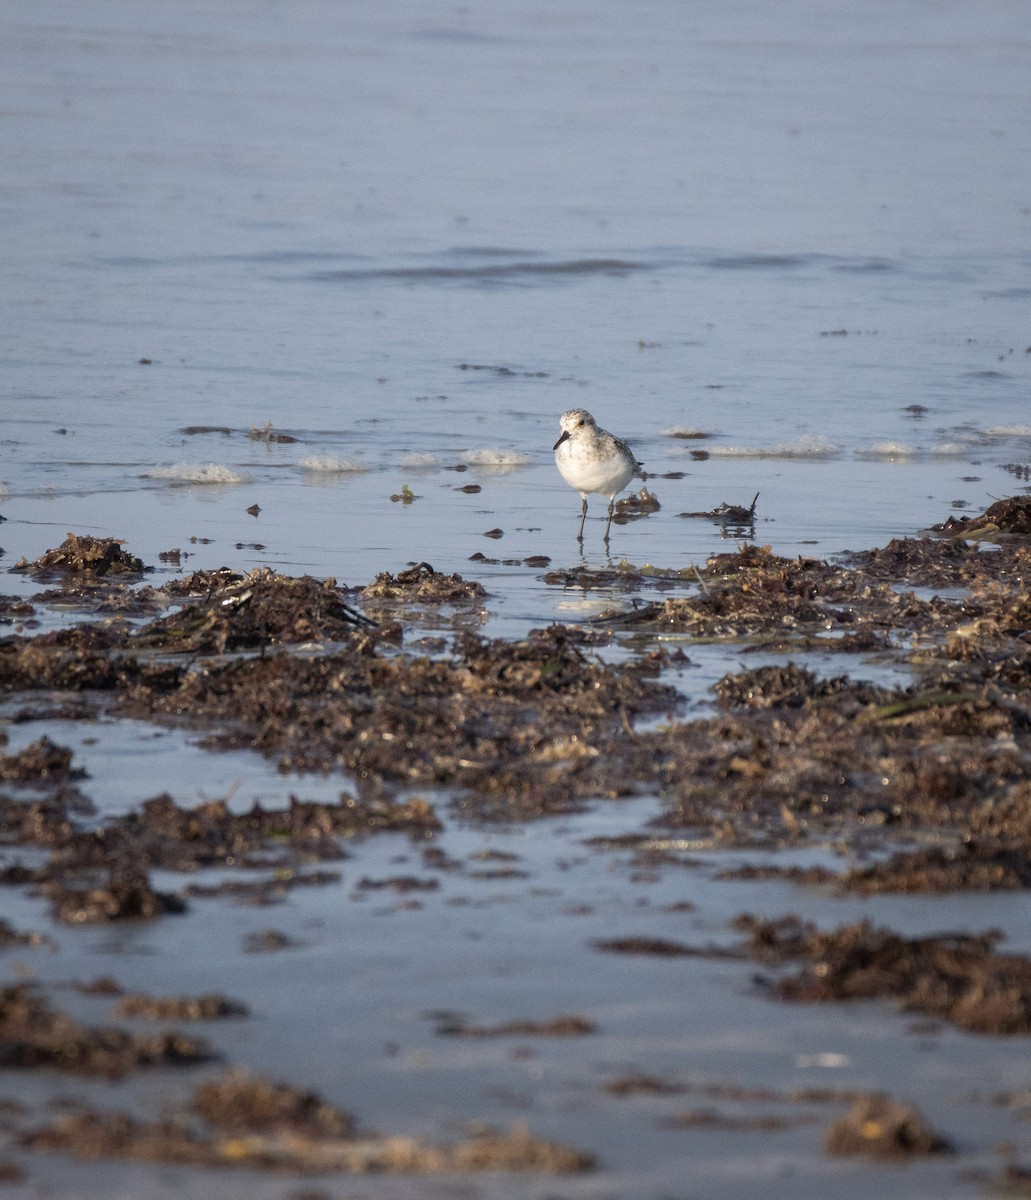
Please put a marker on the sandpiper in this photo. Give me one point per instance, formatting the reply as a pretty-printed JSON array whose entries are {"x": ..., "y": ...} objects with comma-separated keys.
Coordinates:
[{"x": 592, "y": 460}]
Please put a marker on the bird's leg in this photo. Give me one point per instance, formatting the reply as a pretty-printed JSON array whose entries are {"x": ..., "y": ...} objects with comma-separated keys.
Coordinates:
[
  {"x": 583, "y": 517},
  {"x": 612, "y": 505}
]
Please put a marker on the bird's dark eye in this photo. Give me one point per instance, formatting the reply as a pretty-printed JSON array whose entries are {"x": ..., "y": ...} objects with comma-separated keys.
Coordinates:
[{"x": 580, "y": 422}]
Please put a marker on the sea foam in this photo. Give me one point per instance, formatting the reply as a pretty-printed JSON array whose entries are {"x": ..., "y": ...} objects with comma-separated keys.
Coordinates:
[
  {"x": 1007, "y": 431},
  {"x": 886, "y": 451},
  {"x": 210, "y": 472},
  {"x": 811, "y": 446},
  {"x": 490, "y": 457},
  {"x": 332, "y": 464},
  {"x": 687, "y": 432}
]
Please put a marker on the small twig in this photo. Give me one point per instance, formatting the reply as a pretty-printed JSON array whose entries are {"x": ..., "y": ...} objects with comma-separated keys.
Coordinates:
[
  {"x": 913, "y": 704},
  {"x": 702, "y": 583}
]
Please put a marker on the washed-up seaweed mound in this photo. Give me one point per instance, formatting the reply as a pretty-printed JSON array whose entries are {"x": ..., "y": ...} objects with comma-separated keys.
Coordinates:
[
  {"x": 13, "y": 608},
  {"x": 42, "y": 762},
  {"x": 421, "y": 596},
  {"x": 755, "y": 592},
  {"x": 83, "y": 555},
  {"x": 540, "y": 724},
  {"x": 9, "y": 936},
  {"x": 33, "y": 1035},
  {"x": 881, "y": 1128},
  {"x": 242, "y": 1121},
  {"x": 180, "y": 838},
  {"x": 117, "y": 899},
  {"x": 971, "y": 866},
  {"x": 259, "y": 609},
  {"x": 851, "y": 606},
  {"x": 98, "y": 875},
  {"x": 135, "y": 1005},
  {"x": 161, "y": 834},
  {"x": 521, "y": 719},
  {"x": 941, "y": 563},
  {"x": 960, "y": 978},
  {"x": 88, "y": 656},
  {"x": 794, "y": 755},
  {"x": 1005, "y": 519},
  {"x": 421, "y": 584},
  {"x": 242, "y": 1104},
  {"x": 222, "y": 613},
  {"x": 786, "y": 686},
  {"x": 956, "y": 977}
]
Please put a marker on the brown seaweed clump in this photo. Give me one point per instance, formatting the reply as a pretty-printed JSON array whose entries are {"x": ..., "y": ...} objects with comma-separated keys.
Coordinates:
[
  {"x": 787, "y": 686},
  {"x": 83, "y": 555},
  {"x": 241, "y": 1103},
  {"x": 257, "y": 609},
  {"x": 100, "y": 874},
  {"x": 879, "y": 1127},
  {"x": 971, "y": 866},
  {"x": 13, "y": 608},
  {"x": 941, "y": 563},
  {"x": 755, "y": 592},
  {"x": 163, "y": 835},
  {"x": 853, "y": 606},
  {"x": 33, "y": 1035},
  {"x": 653, "y": 946},
  {"x": 254, "y": 1123},
  {"x": 9, "y": 936},
  {"x": 422, "y": 596},
  {"x": 89, "y": 657},
  {"x": 960, "y": 978},
  {"x": 42, "y": 763},
  {"x": 180, "y": 838},
  {"x": 421, "y": 584},
  {"x": 516, "y": 720},
  {"x": 566, "y": 1025},
  {"x": 122, "y": 899},
  {"x": 730, "y": 516},
  {"x": 796, "y": 755},
  {"x": 1005, "y": 519},
  {"x": 636, "y": 505},
  {"x": 178, "y": 1008}
]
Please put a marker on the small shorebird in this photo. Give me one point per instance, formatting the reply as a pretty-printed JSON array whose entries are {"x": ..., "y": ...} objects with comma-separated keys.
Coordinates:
[{"x": 592, "y": 460}]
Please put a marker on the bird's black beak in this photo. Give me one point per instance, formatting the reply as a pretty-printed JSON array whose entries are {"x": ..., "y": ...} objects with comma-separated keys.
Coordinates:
[{"x": 563, "y": 438}]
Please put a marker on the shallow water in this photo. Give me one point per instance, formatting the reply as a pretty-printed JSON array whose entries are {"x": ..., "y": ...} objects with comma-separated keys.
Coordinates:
[
  {"x": 409, "y": 236},
  {"x": 429, "y": 232}
]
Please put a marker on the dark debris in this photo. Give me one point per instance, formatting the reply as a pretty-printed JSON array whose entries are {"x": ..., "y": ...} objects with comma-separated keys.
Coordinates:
[
  {"x": 567, "y": 1025},
  {"x": 960, "y": 978},
  {"x": 83, "y": 555},
  {"x": 882, "y": 1128}
]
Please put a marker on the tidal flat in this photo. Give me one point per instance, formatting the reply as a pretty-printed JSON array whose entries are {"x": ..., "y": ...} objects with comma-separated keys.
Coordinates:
[{"x": 796, "y": 785}]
